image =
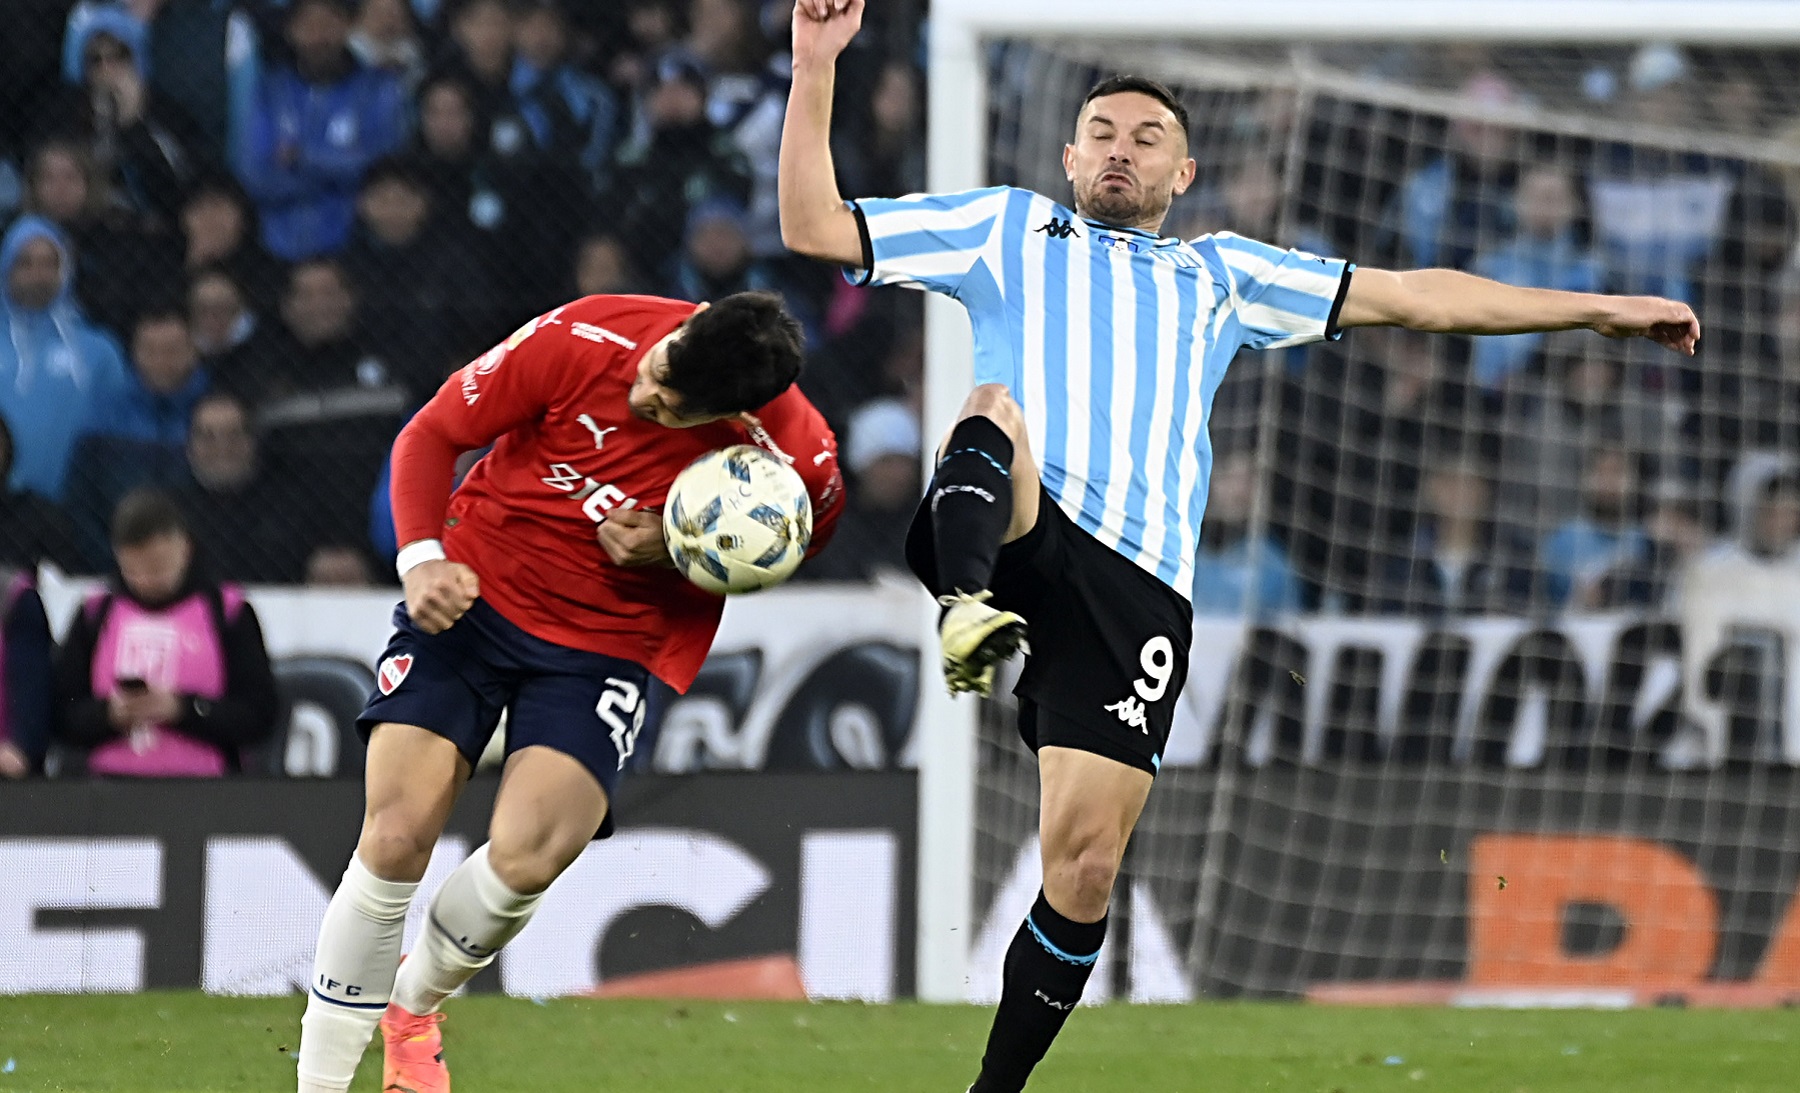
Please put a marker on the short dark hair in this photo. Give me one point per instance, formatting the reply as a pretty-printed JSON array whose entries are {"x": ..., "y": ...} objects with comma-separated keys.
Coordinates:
[
  {"x": 395, "y": 169},
  {"x": 144, "y": 514},
  {"x": 1143, "y": 85},
  {"x": 160, "y": 310},
  {"x": 319, "y": 261},
  {"x": 737, "y": 355}
]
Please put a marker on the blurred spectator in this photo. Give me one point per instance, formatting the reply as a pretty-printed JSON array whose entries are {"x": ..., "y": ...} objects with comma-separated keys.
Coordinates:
[
  {"x": 475, "y": 191},
  {"x": 219, "y": 317},
  {"x": 715, "y": 258},
  {"x": 1239, "y": 571},
  {"x": 316, "y": 127},
  {"x": 244, "y": 526},
  {"x": 329, "y": 408},
  {"x": 204, "y": 58},
  {"x": 883, "y": 459},
  {"x": 1658, "y": 211},
  {"x": 138, "y": 432},
  {"x": 32, "y": 529},
  {"x": 166, "y": 381},
  {"x": 146, "y": 147},
  {"x": 1461, "y": 201},
  {"x": 602, "y": 267},
  {"x": 164, "y": 673},
  {"x": 26, "y": 697},
  {"x": 746, "y": 97},
  {"x": 570, "y": 114},
  {"x": 1544, "y": 254},
  {"x": 650, "y": 30},
  {"x": 55, "y": 366},
  {"x": 387, "y": 38},
  {"x": 1762, "y": 498},
  {"x": 1550, "y": 422},
  {"x": 681, "y": 160},
  {"x": 885, "y": 155},
  {"x": 424, "y": 291},
  {"x": 219, "y": 228},
  {"x": 114, "y": 257},
  {"x": 480, "y": 54},
  {"x": 1607, "y": 535},
  {"x": 335, "y": 566},
  {"x": 28, "y": 77},
  {"x": 1462, "y": 562},
  {"x": 1677, "y": 527}
]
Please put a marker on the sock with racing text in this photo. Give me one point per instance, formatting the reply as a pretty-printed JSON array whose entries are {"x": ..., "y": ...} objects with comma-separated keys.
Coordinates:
[
  {"x": 472, "y": 916},
  {"x": 353, "y": 974},
  {"x": 971, "y": 504},
  {"x": 1047, "y": 966}
]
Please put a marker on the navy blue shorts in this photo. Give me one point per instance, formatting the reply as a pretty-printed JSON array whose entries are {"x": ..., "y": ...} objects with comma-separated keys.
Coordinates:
[{"x": 455, "y": 684}]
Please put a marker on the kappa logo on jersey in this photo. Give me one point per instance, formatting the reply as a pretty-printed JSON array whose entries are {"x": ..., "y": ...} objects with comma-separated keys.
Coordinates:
[
  {"x": 592, "y": 426},
  {"x": 602, "y": 335},
  {"x": 1059, "y": 229},
  {"x": 393, "y": 673},
  {"x": 1132, "y": 712}
]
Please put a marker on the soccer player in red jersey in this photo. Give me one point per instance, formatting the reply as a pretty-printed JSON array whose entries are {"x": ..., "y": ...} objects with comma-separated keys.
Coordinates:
[{"x": 542, "y": 587}]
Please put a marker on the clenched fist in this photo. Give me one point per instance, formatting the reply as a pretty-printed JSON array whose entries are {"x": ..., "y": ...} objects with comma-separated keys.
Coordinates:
[{"x": 438, "y": 593}]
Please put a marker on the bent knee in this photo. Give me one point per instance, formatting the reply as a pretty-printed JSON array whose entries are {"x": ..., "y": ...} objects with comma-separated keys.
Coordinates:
[
  {"x": 1081, "y": 881},
  {"x": 994, "y": 402},
  {"x": 528, "y": 868},
  {"x": 396, "y": 846}
]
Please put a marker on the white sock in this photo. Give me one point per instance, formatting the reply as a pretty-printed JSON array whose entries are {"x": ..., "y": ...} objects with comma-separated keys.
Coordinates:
[
  {"x": 470, "y": 918},
  {"x": 353, "y": 975}
]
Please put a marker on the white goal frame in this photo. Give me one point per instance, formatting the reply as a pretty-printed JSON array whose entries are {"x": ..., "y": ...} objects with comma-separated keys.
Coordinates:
[{"x": 957, "y": 140}]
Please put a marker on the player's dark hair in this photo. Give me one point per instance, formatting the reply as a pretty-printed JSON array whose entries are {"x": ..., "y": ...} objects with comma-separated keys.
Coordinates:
[
  {"x": 144, "y": 514},
  {"x": 1143, "y": 85},
  {"x": 736, "y": 355}
]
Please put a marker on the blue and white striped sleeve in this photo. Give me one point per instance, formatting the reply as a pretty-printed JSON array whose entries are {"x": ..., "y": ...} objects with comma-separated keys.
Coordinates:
[
  {"x": 928, "y": 241},
  {"x": 1282, "y": 297}
]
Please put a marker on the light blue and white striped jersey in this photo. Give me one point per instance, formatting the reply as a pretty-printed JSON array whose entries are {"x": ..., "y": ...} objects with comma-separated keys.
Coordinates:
[{"x": 1113, "y": 341}]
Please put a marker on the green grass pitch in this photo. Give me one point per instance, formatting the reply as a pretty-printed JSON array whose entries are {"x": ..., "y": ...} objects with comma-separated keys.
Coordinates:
[{"x": 168, "y": 1042}]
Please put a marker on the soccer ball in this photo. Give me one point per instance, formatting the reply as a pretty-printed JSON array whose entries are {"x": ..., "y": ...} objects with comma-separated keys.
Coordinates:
[{"x": 737, "y": 520}]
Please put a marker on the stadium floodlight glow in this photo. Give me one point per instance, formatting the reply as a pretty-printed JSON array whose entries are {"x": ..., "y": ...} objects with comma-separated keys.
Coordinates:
[{"x": 958, "y": 147}]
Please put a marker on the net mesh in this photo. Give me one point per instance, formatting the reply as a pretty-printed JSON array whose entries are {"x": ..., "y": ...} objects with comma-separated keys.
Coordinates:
[{"x": 1494, "y": 672}]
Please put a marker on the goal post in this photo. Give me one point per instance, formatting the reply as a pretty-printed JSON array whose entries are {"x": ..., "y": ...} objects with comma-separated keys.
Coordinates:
[{"x": 1226, "y": 822}]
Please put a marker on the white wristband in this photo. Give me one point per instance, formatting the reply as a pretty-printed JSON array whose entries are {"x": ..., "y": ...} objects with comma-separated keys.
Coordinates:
[{"x": 417, "y": 554}]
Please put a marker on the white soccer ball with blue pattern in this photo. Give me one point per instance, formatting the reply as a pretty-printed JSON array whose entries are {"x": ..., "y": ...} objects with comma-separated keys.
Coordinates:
[{"x": 737, "y": 520}]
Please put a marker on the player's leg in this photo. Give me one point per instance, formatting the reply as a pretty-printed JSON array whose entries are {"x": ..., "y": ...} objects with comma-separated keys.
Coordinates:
[
  {"x": 574, "y": 722},
  {"x": 1088, "y": 807},
  {"x": 548, "y": 809},
  {"x": 412, "y": 778},
  {"x": 984, "y": 493}
]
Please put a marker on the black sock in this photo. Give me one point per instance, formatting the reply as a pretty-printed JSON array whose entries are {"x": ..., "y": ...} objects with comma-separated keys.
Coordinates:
[
  {"x": 1047, "y": 966},
  {"x": 971, "y": 504}
]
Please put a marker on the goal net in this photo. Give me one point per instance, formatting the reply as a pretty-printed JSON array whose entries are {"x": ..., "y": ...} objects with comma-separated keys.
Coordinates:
[{"x": 1495, "y": 692}]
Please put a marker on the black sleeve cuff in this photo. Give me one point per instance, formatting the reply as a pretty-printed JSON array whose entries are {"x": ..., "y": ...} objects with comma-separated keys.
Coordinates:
[
  {"x": 868, "y": 248},
  {"x": 1332, "y": 332}
]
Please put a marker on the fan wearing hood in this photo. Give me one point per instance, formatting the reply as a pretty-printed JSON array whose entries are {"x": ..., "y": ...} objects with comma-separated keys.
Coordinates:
[
  {"x": 147, "y": 145},
  {"x": 56, "y": 367}
]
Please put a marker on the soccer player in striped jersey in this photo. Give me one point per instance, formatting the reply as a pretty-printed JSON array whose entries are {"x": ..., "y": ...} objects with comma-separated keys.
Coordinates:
[{"x": 1068, "y": 496}]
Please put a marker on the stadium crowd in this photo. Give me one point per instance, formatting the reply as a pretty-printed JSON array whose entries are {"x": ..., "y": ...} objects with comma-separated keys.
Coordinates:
[
  {"x": 245, "y": 239},
  {"x": 1531, "y": 474}
]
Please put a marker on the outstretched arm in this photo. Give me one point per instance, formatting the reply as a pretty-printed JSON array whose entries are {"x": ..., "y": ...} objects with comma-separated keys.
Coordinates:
[
  {"x": 814, "y": 219},
  {"x": 1445, "y": 301}
]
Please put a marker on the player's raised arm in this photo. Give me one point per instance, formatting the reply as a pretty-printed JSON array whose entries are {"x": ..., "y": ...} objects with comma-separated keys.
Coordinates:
[
  {"x": 1446, "y": 301},
  {"x": 814, "y": 219}
]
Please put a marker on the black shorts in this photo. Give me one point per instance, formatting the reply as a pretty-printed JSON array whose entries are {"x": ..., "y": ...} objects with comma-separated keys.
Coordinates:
[
  {"x": 1109, "y": 641},
  {"x": 455, "y": 683}
]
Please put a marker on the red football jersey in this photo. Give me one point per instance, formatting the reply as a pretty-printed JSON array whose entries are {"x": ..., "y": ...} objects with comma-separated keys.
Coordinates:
[{"x": 567, "y": 450}]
